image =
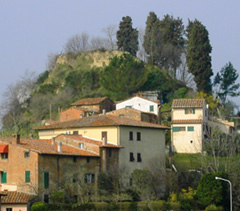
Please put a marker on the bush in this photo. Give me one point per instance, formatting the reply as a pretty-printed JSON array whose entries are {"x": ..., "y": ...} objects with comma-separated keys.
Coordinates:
[
  {"x": 174, "y": 206},
  {"x": 214, "y": 207},
  {"x": 39, "y": 206}
]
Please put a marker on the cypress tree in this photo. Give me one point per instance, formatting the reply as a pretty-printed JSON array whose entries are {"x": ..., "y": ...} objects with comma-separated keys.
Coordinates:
[
  {"x": 127, "y": 36},
  {"x": 198, "y": 55}
]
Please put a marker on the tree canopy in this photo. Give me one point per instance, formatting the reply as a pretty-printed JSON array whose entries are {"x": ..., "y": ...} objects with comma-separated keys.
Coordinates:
[
  {"x": 127, "y": 36},
  {"x": 226, "y": 81},
  {"x": 198, "y": 55}
]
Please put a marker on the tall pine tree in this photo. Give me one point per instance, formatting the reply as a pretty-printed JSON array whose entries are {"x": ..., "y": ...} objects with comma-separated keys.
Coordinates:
[
  {"x": 198, "y": 55},
  {"x": 127, "y": 36}
]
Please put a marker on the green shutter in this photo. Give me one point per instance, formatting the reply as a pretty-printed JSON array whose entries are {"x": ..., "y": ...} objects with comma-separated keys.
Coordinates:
[
  {"x": 190, "y": 128},
  {"x": 27, "y": 176},
  {"x": 46, "y": 180},
  {"x": 175, "y": 129},
  {"x": 186, "y": 111},
  {"x": 4, "y": 177},
  {"x": 193, "y": 110},
  {"x": 151, "y": 108}
]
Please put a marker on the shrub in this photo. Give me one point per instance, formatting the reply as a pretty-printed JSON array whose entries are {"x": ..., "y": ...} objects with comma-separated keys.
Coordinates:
[
  {"x": 39, "y": 206},
  {"x": 212, "y": 207}
]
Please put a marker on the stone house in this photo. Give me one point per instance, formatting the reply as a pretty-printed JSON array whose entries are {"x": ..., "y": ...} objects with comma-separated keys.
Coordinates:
[
  {"x": 45, "y": 166},
  {"x": 136, "y": 137},
  {"x": 134, "y": 114}
]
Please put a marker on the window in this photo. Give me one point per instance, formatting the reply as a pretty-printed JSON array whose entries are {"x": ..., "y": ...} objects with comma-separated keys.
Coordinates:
[
  {"x": 75, "y": 132},
  {"x": 4, "y": 155},
  {"x": 74, "y": 178},
  {"x": 89, "y": 178},
  {"x": 190, "y": 128},
  {"x": 138, "y": 136},
  {"x": 130, "y": 182},
  {"x": 3, "y": 177},
  {"x": 8, "y": 209},
  {"x": 189, "y": 110},
  {"x": 129, "y": 106},
  {"x": 177, "y": 129},
  {"x": 26, "y": 154},
  {"x": 130, "y": 135},
  {"x": 110, "y": 153},
  {"x": 81, "y": 145},
  {"x": 74, "y": 159},
  {"x": 131, "y": 159},
  {"x": 104, "y": 135},
  {"x": 27, "y": 176},
  {"x": 88, "y": 159},
  {"x": 139, "y": 158},
  {"x": 45, "y": 198},
  {"x": 46, "y": 179},
  {"x": 151, "y": 108}
]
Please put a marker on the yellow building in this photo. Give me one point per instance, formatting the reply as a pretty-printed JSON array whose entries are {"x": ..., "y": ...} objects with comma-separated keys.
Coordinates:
[
  {"x": 143, "y": 143},
  {"x": 189, "y": 123}
]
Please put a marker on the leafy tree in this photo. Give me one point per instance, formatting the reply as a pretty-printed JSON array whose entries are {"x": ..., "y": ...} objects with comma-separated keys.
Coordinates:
[
  {"x": 124, "y": 75},
  {"x": 198, "y": 55},
  {"x": 226, "y": 80},
  {"x": 127, "y": 36},
  {"x": 212, "y": 191}
]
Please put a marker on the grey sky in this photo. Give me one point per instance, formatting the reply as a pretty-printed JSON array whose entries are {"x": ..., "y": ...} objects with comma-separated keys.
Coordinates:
[{"x": 31, "y": 30}]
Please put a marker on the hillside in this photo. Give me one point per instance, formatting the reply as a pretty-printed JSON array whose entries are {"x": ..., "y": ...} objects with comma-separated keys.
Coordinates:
[{"x": 75, "y": 76}]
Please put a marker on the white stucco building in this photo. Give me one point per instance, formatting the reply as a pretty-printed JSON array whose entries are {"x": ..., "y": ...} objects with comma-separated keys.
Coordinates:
[{"x": 139, "y": 103}]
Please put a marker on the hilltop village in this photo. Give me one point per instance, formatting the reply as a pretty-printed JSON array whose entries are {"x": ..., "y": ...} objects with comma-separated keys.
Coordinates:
[{"x": 97, "y": 139}]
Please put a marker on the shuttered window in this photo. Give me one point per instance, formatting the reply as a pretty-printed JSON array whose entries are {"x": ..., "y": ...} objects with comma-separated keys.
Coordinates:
[
  {"x": 46, "y": 179},
  {"x": 190, "y": 128},
  {"x": 27, "y": 176},
  {"x": 4, "y": 177}
]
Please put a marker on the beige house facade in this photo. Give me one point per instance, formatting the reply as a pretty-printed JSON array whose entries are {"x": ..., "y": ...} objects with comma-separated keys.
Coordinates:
[
  {"x": 189, "y": 122},
  {"x": 141, "y": 142}
]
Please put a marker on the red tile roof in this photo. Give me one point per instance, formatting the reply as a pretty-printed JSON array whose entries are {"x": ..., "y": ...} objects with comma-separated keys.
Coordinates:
[
  {"x": 89, "y": 140},
  {"x": 187, "y": 121},
  {"x": 89, "y": 101},
  {"x": 3, "y": 148},
  {"x": 102, "y": 120},
  {"x": 46, "y": 147},
  {"x": 14, "y": 197},
  {"x": 188, "y": 103}
]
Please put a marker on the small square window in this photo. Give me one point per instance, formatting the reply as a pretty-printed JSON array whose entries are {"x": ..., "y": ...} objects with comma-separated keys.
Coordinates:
[
  {"x": 4, "y": 156},
  {"x": 89, "y": 178},
  {"x": 75, "y": 132},
  {"x": 81, "y": 145},
  {"x": 138, "y": 136},
  {"x": 191, "y": 128},
  {"x": 130, "y": 136},
  {"x": 26, "y": 154},
  {"x": 131, "y": 159}
]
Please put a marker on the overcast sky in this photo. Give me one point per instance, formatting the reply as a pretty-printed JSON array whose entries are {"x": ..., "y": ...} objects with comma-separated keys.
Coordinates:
[{"x": 31, "y": 30}]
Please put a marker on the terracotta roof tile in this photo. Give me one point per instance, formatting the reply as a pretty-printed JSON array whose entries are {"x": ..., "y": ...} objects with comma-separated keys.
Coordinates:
[
  {"x": 45, "y": 147},
  {"x": 102, "y": 120},
  {"x": 187, "y": 121},
  {"x": 14, "y": 197},
  {"x": 89, "y": 101},
  {"x": 188, "y": 103}
]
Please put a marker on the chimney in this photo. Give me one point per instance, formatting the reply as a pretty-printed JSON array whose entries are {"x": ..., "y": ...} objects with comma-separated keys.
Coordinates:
[
  {"x": 59, "y": 149},
  {"x": 104, "y": 111},
  {"x": 104, "y": 141},
  {"x": 53, "y": 140},
  {"x": 18, "y": 139}
]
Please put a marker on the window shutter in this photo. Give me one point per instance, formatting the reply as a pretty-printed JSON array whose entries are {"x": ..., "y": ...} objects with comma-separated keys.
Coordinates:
[
  {"x": 190, "y": 128},
  {"x": 46, "y": 180},
  {"x": 27, "y": 176},
  {"x": 4, "y": 177},
  {"x": 93, "y": 178},
  {"x": 175, "y": 129},
  {"x": 186, "y": 110},
  {"x": 151, "y": 108},
  {"x": 193, "y": 110}
]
